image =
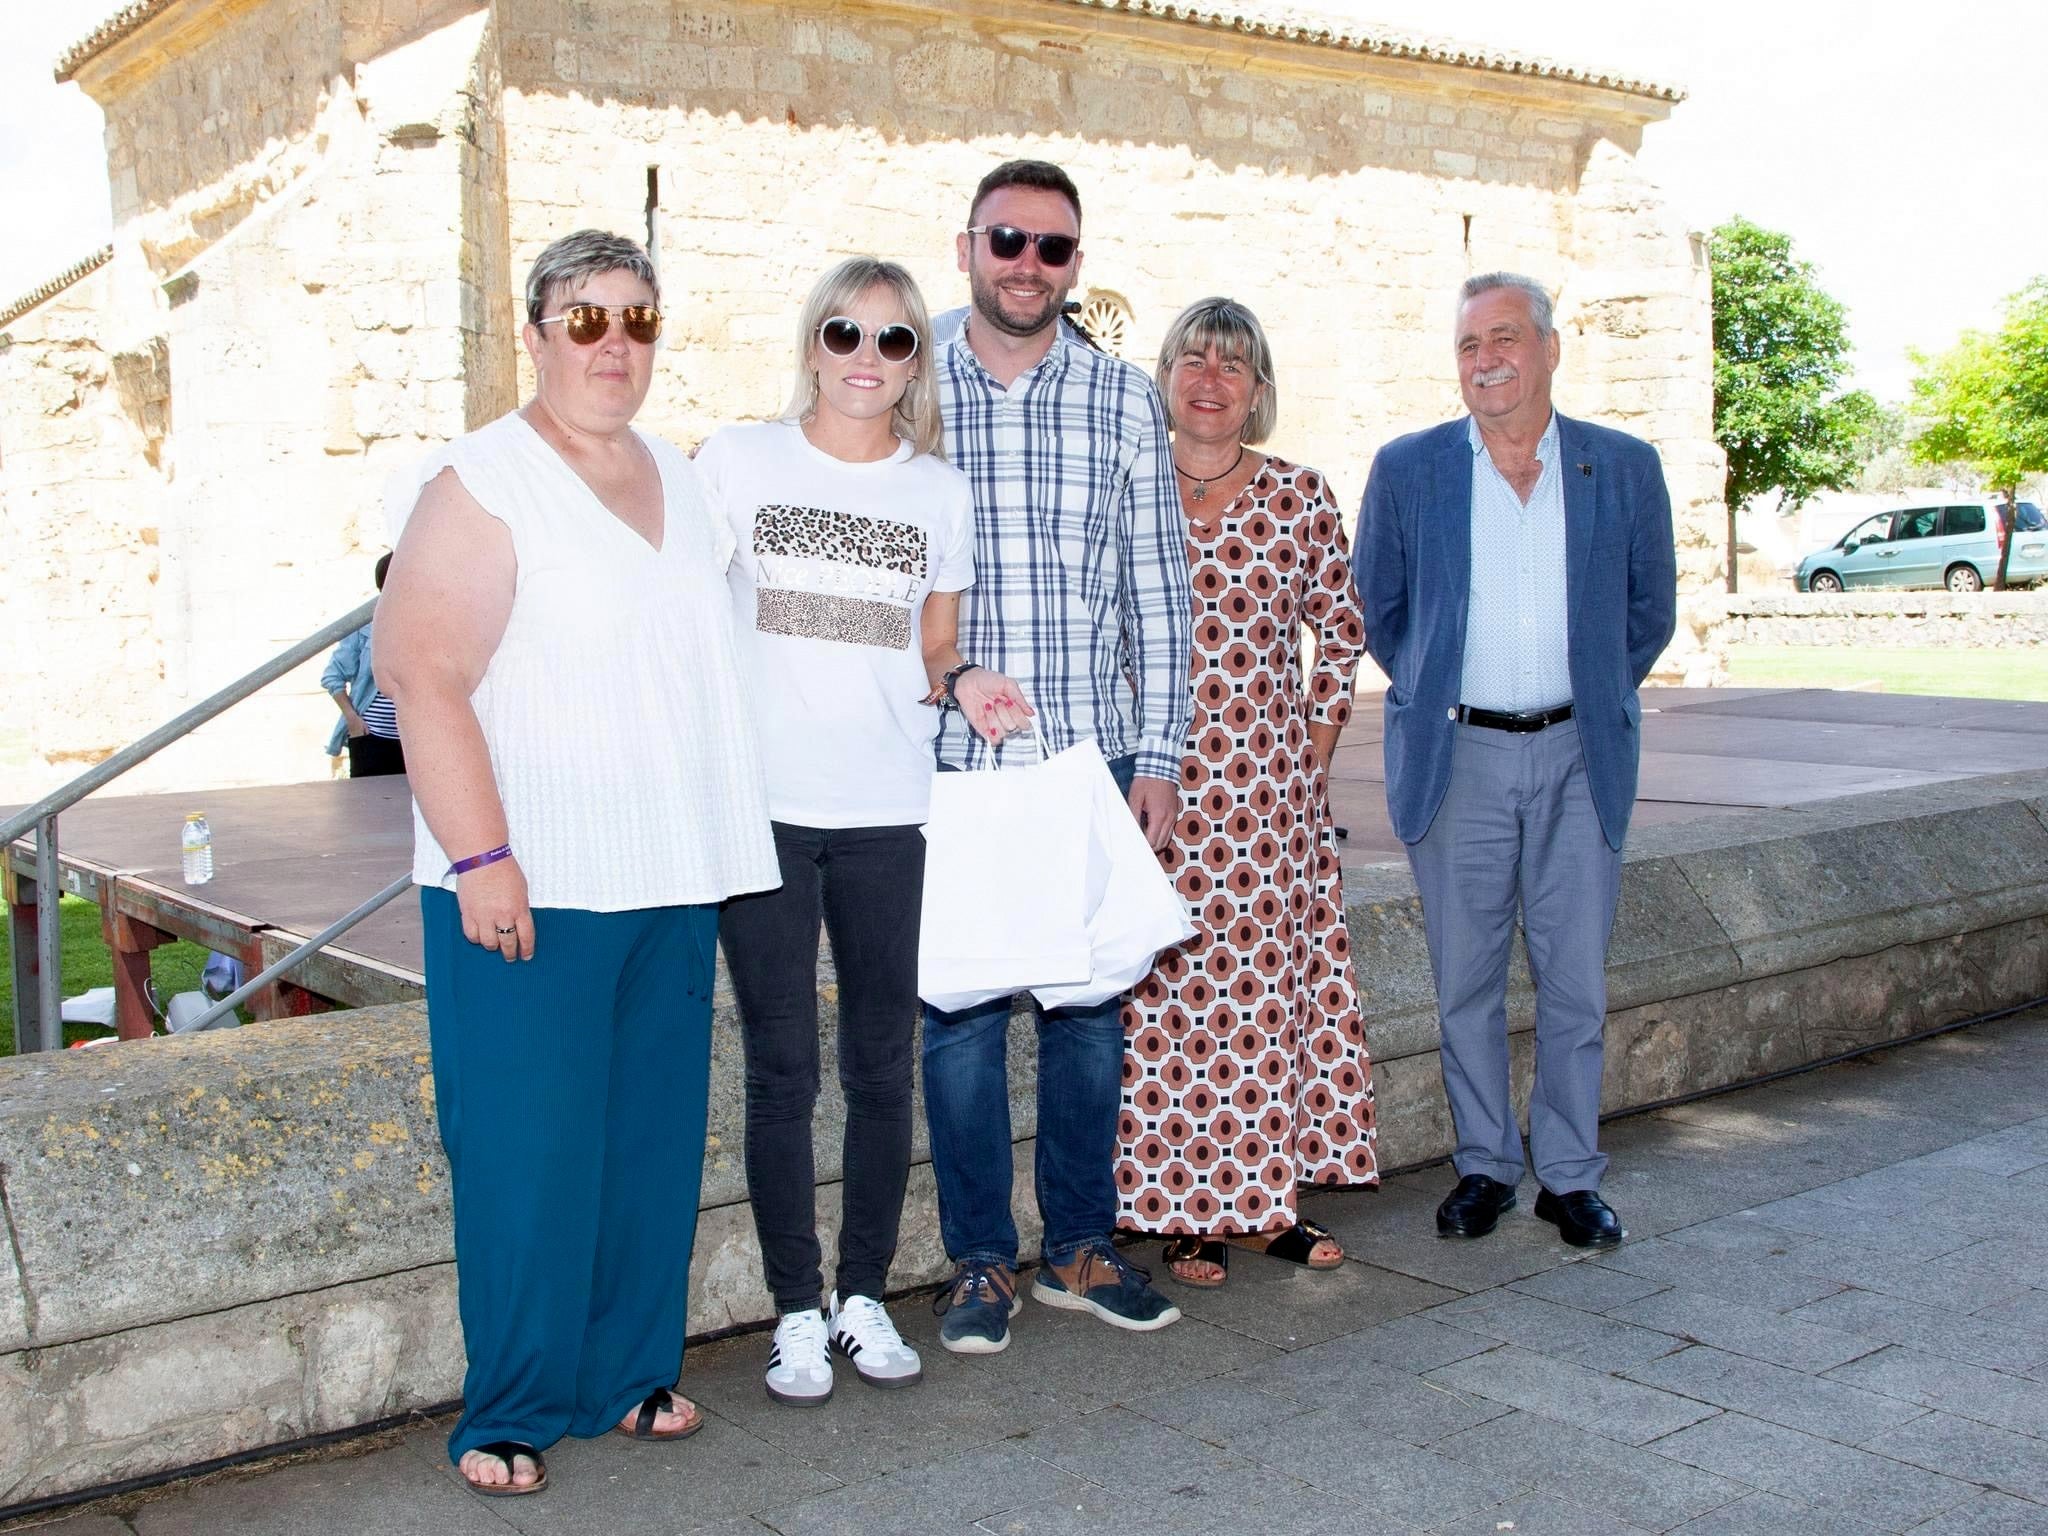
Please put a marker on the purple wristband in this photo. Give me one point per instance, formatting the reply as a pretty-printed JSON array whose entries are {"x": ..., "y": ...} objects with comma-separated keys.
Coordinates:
[{"x": 478, "y": 861}]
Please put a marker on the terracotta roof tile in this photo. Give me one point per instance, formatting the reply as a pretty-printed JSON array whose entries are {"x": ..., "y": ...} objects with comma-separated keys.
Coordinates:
[
  {"x": 107, "y": 33},
  {"x": 1326, "y": 25},
  {"x": 1318, "y": 26},
  {"x": 56, "y": 285}
]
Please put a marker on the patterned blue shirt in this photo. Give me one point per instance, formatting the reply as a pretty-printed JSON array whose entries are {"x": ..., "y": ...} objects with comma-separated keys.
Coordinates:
[
  {"x": 1516, "y": 625},
  {"x": 1081, "y": 590}
]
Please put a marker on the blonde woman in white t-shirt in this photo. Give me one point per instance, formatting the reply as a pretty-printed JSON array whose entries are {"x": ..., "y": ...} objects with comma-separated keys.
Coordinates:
[{"x": 855, "y": 540}]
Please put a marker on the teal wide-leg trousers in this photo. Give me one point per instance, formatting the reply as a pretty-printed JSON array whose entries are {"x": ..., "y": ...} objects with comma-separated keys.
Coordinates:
[{"x": 570, "y": 1090}]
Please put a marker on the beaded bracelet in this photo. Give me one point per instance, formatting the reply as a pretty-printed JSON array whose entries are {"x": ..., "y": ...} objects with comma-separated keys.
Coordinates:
[{"x": 478, "y": 861}]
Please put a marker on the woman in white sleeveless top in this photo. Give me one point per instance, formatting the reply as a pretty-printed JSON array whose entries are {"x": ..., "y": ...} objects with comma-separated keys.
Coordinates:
[{"x": 557, "y": 636}]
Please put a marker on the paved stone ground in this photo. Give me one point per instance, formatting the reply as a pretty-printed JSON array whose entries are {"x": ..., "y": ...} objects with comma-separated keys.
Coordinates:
[{"x": 1831, "y": 1320}]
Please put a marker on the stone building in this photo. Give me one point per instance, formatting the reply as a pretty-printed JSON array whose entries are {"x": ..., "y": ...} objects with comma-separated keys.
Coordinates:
[{"x": 323, "y": 210}]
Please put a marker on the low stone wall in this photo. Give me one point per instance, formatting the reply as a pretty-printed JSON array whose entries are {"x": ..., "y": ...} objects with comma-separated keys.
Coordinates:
[
  {"x": 1877, "y": 620},
  {"x": 222, "y": 1242}
]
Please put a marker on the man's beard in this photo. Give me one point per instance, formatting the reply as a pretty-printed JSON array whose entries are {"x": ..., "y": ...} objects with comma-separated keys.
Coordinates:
[{"x": 988, "y": 303}]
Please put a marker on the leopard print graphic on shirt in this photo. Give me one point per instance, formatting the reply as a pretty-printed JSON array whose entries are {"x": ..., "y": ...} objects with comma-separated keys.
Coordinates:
[{"x": 829, "y": 575}]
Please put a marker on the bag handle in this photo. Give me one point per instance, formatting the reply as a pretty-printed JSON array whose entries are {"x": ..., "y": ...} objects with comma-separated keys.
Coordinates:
[{"x": 995, "y": 759}]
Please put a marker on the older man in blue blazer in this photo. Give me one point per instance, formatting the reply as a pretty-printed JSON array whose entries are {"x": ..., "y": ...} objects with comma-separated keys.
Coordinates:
[{"x": 1519, "y": 582}]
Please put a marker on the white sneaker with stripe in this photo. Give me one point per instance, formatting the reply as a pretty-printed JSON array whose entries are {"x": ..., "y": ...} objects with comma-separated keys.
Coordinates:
[
  {"x": 862, "y": 1331},
  {"x": 800, "y": 1363}
]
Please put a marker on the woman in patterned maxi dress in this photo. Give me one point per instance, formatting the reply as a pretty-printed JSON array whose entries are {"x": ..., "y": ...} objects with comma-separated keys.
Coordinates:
[{"x": 1247, "y": 1073}]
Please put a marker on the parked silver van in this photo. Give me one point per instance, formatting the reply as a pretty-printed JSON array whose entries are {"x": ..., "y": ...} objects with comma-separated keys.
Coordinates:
[{"x": 1954, "y": 545}]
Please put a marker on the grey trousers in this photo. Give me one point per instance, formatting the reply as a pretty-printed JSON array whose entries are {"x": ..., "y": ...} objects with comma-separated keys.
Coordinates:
[{"x": 1517, "y": 835}]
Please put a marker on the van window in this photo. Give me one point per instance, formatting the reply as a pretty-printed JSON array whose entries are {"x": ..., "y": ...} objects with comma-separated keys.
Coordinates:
[
  {"x": 1963, "y": 520},
  {"x": 1918, "y": 524}
]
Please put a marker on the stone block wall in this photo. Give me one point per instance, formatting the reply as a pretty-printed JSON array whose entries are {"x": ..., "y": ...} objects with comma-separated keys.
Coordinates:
[
  {"x": 314, "y": 276},
  {"x": 82, "y": 428},
  {"x": 226, "y": 1241},
  {"x": 1962, "y": 621},
  {"x": 1344, "y": 200}
]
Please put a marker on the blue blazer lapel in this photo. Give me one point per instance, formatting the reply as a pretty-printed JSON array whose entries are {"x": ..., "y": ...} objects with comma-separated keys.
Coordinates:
[
  {"x": 1582, "y": 471},
  {"x": 1453, "y": 505}
]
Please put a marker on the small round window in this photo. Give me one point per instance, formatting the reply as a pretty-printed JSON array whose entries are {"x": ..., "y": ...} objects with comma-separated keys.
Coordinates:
[{"x": 1107, "y": 320}]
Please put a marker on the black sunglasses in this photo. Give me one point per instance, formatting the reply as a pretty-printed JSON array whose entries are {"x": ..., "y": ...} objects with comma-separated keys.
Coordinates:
[
  {"x": 842, "y": 336},
  {"x": 1006, "y": 242}
]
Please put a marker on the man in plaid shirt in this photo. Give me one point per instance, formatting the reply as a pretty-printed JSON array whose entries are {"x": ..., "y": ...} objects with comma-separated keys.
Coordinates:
[{"x": 1078, "y": 624}]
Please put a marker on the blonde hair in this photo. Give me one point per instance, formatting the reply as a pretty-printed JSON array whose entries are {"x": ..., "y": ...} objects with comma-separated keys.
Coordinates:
[
  {"x": 916, "y": 416},
  {"x": 1235, "y": 333}
]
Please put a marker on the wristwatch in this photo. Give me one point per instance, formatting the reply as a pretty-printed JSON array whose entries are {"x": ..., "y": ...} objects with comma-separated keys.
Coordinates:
[{"x": 951, "y": 678}]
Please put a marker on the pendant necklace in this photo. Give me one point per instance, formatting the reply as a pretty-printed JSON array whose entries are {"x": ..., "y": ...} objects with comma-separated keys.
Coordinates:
[{"x": 1201, "y": 492}]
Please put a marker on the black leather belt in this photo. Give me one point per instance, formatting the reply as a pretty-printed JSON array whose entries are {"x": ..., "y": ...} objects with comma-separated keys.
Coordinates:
[{"x": 1506, "y": 720}]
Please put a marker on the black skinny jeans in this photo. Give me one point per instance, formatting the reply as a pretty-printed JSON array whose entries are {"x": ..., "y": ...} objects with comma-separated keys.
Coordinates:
[{"x": 867, "y": 884}]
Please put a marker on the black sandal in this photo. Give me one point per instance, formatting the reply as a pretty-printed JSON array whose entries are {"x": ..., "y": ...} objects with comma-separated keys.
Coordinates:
[
  {"x": 505, "y": 1451},
  {"x": 656, "y": 1403},
  {"x": 1190, "y": 1249},
  {"x": 1296, "y": 1244}
]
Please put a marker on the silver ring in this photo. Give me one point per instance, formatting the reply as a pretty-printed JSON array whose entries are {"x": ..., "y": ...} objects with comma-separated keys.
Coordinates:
[{"x": 506, "y": 933}]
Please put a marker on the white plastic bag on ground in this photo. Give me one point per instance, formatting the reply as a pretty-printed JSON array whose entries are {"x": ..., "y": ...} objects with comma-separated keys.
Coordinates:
[{"x": 95, "y": 1006}]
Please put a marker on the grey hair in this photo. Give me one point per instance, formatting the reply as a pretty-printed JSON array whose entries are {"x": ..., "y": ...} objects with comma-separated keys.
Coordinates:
[
  {"x": 1537, "y": 296},
  {"x": 575, "y": 259},
  {"x": 1234, "y": 331},
  {"x": 916, "y": 417}
]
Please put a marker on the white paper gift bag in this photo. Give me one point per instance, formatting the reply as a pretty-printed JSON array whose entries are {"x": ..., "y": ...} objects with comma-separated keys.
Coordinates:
[
  {"x": 1133, "y": 909},
  {"x": 1004, "y": 871}
]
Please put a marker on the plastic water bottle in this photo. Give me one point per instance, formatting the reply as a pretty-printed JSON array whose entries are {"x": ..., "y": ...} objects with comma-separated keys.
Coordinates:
[{"x": 197, "y": 844}]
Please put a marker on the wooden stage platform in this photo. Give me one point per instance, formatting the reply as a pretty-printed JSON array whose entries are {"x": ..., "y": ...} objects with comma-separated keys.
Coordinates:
[{"x": 289, "y": 859}]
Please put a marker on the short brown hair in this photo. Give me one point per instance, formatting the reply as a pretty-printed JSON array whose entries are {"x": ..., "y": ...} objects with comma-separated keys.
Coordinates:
[
  {"x": 575, "y": 259},
  {"x": 1042, "y": 174}
]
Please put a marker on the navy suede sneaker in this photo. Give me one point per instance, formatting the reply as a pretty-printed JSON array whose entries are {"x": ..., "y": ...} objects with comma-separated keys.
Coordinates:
[
  {"x": 1098, "y": 1279},
  {"x": 976, "y": 1307}
]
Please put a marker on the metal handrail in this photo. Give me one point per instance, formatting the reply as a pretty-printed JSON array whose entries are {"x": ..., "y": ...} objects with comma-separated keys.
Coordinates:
[
  {"x": 42, "y": 816},
  {"x": 104, "y": 773}
]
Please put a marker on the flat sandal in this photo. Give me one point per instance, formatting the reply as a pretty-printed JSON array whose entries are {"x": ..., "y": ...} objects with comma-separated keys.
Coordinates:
[
  {"x": 1191, "y": 1249},
  {"x": 505, "y": 1451},
  {"x": 1295, "y": 1245},
  {"x": 656, "y": 1403}
]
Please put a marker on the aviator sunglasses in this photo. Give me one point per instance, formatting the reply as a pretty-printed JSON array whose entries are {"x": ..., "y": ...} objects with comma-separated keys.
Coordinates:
[
  {"x": 1006, "y": 242},
  {"x": 587, "y": 324},
  {"x": 842, "y": 336}
]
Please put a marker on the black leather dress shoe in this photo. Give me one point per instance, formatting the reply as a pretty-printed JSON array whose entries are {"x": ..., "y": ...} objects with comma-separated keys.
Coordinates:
[
  {"x": 1582, "y": 1218},
  {"x": 1474, "y": 1206}
]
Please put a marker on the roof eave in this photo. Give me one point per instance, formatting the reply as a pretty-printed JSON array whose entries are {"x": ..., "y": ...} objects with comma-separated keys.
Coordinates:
[
  {"x": 1382, "y": 43},
  {"x": 42, "y": 293}
]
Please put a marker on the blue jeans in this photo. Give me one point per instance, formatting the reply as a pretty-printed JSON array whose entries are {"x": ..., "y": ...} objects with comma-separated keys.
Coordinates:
[{"x": 967, "y": 1108}]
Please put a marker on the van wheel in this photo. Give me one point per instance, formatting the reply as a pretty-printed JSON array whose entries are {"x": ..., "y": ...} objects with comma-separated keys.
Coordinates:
[
  {"x": 1824, "y": 581},
  {"x": 1964, "y": 578}
]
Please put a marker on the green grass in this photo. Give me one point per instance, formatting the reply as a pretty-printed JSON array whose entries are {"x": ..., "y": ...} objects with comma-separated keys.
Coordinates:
[
  {"x": 87, "y": 964},
  {"x": 2014, "y": 674}
]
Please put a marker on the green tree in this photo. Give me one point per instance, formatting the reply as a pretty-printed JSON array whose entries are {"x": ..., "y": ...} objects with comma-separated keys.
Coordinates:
[
  {"x": 1780, "y": 349},
  {"x": 1984, "y": 402}
]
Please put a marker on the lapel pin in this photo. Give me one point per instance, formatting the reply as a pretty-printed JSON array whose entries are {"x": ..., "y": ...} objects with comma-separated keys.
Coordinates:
[{"x": 1586, "y": 470}]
